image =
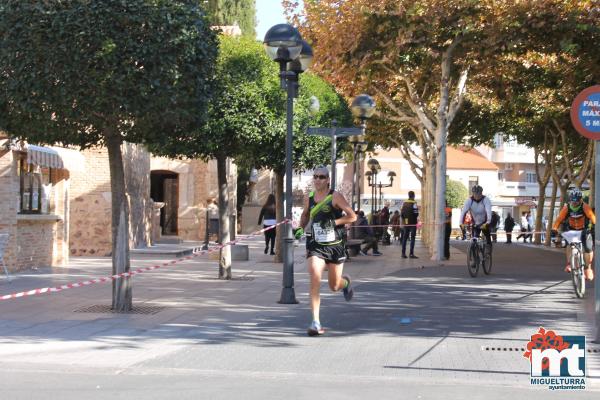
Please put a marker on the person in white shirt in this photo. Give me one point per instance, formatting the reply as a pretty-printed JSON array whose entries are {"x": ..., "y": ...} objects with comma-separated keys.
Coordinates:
[{"x": 480, "y": 208}]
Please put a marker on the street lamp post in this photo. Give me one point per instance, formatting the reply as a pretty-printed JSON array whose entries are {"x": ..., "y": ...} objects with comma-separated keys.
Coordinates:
[
  {"x": 363, "y": 106},
  {"x": 358, "y": 148},
  {"x": 284, "y": 45},
  {"x": 390, "y": 175},
  {"x": 371, "y": 175}
]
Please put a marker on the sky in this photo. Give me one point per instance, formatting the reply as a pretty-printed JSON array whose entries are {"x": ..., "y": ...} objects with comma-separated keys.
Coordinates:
[{"x": 268, "y": 13}]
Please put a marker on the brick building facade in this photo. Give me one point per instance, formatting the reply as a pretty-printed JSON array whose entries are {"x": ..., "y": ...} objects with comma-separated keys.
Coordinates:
[{"x": 68, "y": 209}]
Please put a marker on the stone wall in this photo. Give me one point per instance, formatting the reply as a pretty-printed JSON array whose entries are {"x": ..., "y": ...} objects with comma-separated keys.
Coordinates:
[
  {"x": 90, "y": 201},
  {"x": 90, "y": 206}
]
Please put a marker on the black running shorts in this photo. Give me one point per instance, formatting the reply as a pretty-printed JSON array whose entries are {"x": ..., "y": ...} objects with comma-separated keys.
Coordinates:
[{"x": 334, "y": 254}]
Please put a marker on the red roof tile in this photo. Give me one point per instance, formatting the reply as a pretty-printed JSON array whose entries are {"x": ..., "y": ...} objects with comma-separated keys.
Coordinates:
[{"x": 467, "y": 158}]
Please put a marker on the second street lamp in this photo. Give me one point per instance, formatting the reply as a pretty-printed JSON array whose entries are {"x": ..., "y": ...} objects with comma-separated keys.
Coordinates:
[
  {"x": 362, "y": 107},
  {"x": 285, "y": 46},
  {"x": 390, "y": 175},
  {"x": 374, "y": 169}
]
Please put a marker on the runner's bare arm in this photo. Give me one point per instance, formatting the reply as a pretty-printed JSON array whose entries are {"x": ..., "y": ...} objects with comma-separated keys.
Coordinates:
[
  {"x": 305, "y": 214},
  {"x": 340, "y": 202}
]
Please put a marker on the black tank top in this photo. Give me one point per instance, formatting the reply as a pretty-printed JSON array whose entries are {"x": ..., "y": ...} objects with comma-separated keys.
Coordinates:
[{"x": 322, "y": 219}]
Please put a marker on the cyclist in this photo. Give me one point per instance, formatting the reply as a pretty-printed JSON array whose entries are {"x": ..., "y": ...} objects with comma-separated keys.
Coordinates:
[
  {"x": 480, "y": 208},
  {"x": 574, "y": 214}
]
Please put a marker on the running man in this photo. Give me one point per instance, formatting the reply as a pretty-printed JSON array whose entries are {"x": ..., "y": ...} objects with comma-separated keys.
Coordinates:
[
  {"x": 323, "y": 219},
  {"x": 575, "y": 213},
  {"x": 480, "y": 208}
]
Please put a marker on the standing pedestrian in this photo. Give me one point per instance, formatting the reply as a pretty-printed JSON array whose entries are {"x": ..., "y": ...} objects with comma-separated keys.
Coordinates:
[
  {"x": 384, "y": 219},
  {"x": 463, "y": 227},
  {"x": 544, "y": 227},
  {"x": 494, "y": 226},
  {"x": 325, "y": 214},
  {"x": 447, "y": 231},
  {"x": 268, "y": 219},
  {"x": 524, "y": 225},
  {"x": 509, "y": 225},
  {"x": 410, "y": 215},
  {"x": 530, "y": 227},
  {"x": 395, "y": 222}
]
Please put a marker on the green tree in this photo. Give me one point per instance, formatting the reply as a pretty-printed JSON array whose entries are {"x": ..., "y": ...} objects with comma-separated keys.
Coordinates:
[
  {"x": 308, "y": 151},
  {"x": 456, "y": 193},
  {"x": 230, "y": 12},
  {"x": 92, "y": 73},
  {"x": 238, "y": 117},
  {"x": 418, "y": 56}
]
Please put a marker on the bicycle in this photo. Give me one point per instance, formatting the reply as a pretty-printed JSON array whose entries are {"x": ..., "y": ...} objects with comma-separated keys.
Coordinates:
[
  {"x": 477, "y": 253},
  {"x": 573, "y": 239}
]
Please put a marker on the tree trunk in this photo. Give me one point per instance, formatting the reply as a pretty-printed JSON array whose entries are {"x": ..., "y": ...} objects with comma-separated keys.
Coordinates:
[
  {"x": 440, "y": 193},
  {"x": 280, "y": 215},
  {"x": 430, "y": 203},
  {"x": 540, "y": 212},
  {"x": 542, "y": 184},
  {"x": 551, "y": 211},
  {"x": 122, "y": 288},
  {"x": 224, "y": 234}
]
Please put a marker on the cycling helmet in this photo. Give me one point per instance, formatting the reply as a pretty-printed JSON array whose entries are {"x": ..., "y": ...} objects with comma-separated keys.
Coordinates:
[
  {"x": 575, "y": 195},
  {"x": 477, "y": 189}
]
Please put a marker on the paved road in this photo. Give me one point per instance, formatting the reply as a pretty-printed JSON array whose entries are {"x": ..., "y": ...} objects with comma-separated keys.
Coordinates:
[{"x": 414, "y": 330}]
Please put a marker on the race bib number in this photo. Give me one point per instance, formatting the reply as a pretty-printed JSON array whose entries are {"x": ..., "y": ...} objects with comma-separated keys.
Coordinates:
[{"x": 323, "y": 235}]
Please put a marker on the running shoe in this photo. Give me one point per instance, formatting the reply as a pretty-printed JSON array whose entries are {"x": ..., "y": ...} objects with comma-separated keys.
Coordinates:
[
  {"x": 362, "y": 252},
  {"x": 589, "y": 274},
  {"x": 376, "y": 253},
  {"x": 568, "y": 268},
  {"x": 413, "y": 256},
  {"x": 315, "y": 329},
  {"x": 348, "y": 291}
]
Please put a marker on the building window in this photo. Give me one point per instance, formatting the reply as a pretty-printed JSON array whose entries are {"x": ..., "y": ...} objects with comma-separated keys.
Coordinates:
[
  {"x": 508, "y": 167},
  {"x": 500, "y": 176},
  {"x": 531, "y": 177},
  {"x": 473, "y": 180},
  {"x": 35, "y": 188},
  {"x": 499, "y": 141}
]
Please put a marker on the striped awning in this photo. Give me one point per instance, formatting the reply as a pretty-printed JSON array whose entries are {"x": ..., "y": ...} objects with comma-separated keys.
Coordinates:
[{"x": 55, "y": 157}]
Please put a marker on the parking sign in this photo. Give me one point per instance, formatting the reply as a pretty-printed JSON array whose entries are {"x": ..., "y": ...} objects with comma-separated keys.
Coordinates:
[{"x": 585, "y": 113}]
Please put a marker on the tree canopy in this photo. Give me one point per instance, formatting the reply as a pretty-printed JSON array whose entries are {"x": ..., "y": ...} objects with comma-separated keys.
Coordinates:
[
  {"x": 86, "y": 73},
  {"x": 70, "y": 70},
  {"x": 230, "y": 12}
]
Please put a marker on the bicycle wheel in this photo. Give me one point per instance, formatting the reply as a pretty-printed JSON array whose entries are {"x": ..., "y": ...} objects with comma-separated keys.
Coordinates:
[
  {"x": 472, "y": 260},
  {"x": 577, "y": 274},
  {"x": 486, "y": 260}
]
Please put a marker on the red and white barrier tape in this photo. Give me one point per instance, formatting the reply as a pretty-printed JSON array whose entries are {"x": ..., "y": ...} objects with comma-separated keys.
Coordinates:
[{"x": 105, "y": 279}]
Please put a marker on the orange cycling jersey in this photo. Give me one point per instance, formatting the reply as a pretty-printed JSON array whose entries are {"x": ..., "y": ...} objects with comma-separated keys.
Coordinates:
[{"x": 576, "y": 216}]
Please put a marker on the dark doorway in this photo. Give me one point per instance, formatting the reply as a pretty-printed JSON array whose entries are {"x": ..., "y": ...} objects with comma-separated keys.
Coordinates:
[{"x": 164, "y": 188}]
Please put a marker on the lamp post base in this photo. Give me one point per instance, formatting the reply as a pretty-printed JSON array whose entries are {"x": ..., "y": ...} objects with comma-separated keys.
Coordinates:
[{"x": 288, "y": 296}]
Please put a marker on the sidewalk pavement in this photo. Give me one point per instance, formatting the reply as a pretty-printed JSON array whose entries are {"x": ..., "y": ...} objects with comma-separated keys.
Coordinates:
[{"x": 414, "y": 325}]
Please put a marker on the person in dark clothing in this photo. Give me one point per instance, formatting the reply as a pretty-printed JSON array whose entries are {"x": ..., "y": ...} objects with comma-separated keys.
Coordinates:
[
  {"x": 384, "y": 219},
  {"x": 365, "y": 232},
  {"x": 494, "y": 226},
  {"x": 267, "y": 218},
  {"x": 395, "y": 222},
  {"x": 509, "y": 225},
  {"x": 410, "y": 215},
  {"x": 447, "y": 231}
]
